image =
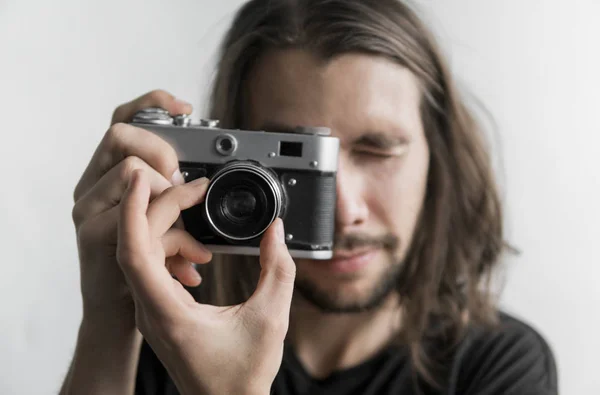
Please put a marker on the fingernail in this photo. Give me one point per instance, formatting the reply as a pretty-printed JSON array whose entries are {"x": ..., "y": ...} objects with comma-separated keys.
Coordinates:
[
  {"x": 199, "y": 181},
  {"x": 203, "y": 248},
  {"x": 280, "y": 231},
  {"x": 196, "y": 275},
  {"x": 183, "y": 103},
  {"x": 177, "y": 178}
]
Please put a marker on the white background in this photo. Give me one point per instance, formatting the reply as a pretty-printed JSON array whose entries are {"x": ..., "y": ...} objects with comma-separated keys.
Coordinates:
[{"x": 64, "y": 65}]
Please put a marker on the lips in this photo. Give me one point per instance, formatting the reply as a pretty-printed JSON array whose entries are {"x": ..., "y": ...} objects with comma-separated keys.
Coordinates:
[
  {"x": 349, "y": 261},
  {"x": 338, "y": 255}
]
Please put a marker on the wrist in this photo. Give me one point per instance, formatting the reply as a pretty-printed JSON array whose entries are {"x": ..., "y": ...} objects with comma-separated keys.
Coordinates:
[
  {"x": 244, "y": 391},
  {"x": 105, "y": 359},
  {"x": 251, "y": 389},
  {"x": 264, "y": 392},
  {"x": 218, "y": 387},
  {"x": 114, "y": 320},
  {"x": 108, "y": 335}
]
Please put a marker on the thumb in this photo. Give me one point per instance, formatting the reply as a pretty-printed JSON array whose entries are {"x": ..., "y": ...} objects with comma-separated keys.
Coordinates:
[{"x": 273, "y": 295}]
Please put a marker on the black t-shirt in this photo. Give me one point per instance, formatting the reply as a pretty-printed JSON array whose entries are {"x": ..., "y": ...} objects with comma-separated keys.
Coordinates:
[{"x": 511, "y": 359}]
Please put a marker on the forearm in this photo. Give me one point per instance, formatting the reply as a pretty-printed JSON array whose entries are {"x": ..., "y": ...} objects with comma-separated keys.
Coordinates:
[{"x": 105, "y": 360}]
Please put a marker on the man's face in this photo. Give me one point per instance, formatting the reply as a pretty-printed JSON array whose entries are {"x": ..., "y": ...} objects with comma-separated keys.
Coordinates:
[{"x": 372, "y": 105}]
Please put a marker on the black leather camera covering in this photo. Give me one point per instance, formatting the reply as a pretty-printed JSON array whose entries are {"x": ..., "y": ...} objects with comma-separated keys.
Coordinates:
[{"x": 309, "y": 213}]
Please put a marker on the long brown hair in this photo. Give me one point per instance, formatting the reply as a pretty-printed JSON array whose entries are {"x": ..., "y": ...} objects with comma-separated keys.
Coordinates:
[{"x": 445, "y": 283}]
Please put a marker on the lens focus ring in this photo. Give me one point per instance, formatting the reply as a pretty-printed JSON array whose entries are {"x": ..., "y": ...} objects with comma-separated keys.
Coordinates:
[{"x": 242, "y": 200}]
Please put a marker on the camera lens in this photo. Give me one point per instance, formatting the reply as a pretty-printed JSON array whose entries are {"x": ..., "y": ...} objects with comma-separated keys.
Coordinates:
[
  {"x": 239, "y": 205},
  {"x": 242, "y": 201}
]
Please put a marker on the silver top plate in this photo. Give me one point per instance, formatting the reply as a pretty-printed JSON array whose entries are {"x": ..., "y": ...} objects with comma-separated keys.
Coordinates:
[{"x": 199, "y": 144}]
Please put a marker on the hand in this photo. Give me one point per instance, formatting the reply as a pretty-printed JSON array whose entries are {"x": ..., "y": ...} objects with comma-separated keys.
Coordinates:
[
  {"x": 123, "y": 149},
  {"x": 206, "y": 349}
]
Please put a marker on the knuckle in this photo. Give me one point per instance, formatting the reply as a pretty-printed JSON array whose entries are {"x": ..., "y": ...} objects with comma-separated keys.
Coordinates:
[
  {"x": 119, "y": 113},
  {"x": 77, "y": 193},
  {"x": 165, "y": 160},
  {"x": 161, "y": 155},
  {"x": 285, "y": 273},
  {"x": 77, "y": 214},
  {"x": 115, "y": 133},
  {"x": 157, "y": 96},
  {"x": 129, "y": 165}
]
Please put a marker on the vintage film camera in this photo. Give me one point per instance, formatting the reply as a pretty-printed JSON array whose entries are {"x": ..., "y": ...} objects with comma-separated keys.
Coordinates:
[{"x": 255, "y": 177}]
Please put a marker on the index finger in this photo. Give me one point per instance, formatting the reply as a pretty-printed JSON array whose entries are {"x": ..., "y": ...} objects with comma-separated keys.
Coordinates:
[
  {"x": 122, "y": 141},
  {"x": 166, "y": 208},
  {"x": 149, "y": 282},
  {"x": 133, "y": 235}
]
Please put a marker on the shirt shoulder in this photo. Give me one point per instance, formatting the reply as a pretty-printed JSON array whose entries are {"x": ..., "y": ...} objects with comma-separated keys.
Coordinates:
[{"x": 510, "y": 358}]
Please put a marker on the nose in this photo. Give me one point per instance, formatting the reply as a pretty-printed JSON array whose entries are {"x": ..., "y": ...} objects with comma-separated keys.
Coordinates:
[{"x": 351, "y": 207}]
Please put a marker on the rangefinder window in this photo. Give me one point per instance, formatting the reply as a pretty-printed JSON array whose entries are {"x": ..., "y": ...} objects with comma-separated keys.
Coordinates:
[{"x": 290, "y": 148}]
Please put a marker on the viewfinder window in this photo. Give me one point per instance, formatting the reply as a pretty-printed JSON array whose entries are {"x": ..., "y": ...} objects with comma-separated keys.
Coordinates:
[{"x": 290, "y": 148}]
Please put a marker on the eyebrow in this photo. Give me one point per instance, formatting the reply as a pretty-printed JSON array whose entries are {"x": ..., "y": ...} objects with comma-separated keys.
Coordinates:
[
  {"x": 277, "y": 128},
  {"x": 373, "y": 139},
  {"x": 379, "y": 140}
]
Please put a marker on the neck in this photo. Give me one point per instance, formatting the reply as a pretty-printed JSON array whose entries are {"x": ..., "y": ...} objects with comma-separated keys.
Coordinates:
[{"x": 326, "y": 342}]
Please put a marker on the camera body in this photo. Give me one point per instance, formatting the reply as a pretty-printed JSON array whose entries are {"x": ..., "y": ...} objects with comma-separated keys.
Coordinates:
[{"x": 255, "y": 177}]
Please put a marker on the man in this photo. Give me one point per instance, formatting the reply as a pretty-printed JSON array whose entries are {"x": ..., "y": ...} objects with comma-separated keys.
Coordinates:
[{"x": 403, "y": 307}]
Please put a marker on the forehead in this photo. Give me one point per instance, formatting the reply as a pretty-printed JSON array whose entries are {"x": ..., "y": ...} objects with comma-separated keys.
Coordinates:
[{"x": 349, "y": 93}]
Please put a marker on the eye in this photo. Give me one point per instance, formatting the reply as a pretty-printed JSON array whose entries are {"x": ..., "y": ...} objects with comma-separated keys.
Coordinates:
[
  {"x": 373, "y": 155},
  {"x": 381, "y": 153}
]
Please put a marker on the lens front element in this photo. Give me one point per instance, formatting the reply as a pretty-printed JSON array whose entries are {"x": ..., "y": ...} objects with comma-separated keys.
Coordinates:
[
  {"x": 240, "y": 205},
  {"x": 243, "y": 200}
]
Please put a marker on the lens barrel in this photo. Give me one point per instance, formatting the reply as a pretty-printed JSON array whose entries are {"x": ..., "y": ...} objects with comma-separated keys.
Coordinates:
[{"x": 242, "y": 200}]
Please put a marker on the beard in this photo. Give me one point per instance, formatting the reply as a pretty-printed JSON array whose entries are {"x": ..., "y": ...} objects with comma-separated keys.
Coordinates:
[{"x": 329, "y": 302}]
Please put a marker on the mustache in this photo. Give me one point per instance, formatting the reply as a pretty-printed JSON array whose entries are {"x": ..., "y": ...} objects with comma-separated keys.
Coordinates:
[{"x": 352, "y": 241}]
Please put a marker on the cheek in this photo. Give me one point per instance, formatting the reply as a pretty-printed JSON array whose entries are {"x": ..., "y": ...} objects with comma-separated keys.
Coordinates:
[{"x": 397, "y": 192}]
